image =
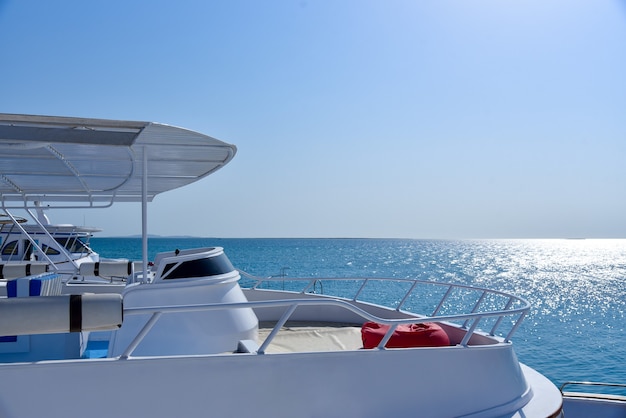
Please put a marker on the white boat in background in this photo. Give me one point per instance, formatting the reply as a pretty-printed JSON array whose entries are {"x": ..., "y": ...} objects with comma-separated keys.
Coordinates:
[
  {"x": 37, "y": 246},
  {"x": 190, "y": 335}
]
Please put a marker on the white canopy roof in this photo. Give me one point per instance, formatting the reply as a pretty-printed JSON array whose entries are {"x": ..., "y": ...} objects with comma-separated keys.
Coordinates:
[{"x": 62, "y": 159}]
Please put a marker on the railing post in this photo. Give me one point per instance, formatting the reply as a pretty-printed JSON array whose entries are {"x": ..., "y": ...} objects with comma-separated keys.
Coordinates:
[
  {"x": 356, "y": 296},
  {"x": 470, "y": 332},
  {"x": 308, "y": 286},
  {"x": 276, "y": 328},
  {"x": 514, "y": 328},
  {"x": 146, "y": 328},
  {"x": 387, "y": 337},
  {"x": 443, "y": 299},
  {"x": 499, "y": 320},
  {"x": 406, "y": 296},
  {"x": 478, "y": 303}
]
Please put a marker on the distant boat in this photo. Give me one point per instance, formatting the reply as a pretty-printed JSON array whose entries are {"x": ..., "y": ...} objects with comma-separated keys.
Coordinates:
[{"x": 63, "y": 246}]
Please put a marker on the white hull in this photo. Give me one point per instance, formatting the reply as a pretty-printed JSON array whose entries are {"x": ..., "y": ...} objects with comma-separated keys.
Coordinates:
[{"x": 339, "y": 384}]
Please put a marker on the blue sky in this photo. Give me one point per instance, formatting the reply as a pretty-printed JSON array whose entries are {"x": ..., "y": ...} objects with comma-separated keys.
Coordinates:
[{"x": 352, "y": 118}]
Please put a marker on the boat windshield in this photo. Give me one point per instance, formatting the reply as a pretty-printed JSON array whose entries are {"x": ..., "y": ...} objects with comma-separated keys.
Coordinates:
[{"x": 73, "y": 244}]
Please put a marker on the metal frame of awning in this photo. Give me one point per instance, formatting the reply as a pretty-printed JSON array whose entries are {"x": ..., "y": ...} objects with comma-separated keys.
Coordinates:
[{"x": 97, "y": 162}]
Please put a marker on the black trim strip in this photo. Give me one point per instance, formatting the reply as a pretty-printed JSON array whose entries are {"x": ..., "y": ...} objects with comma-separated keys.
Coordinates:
[
  {"x": 28, "y": 269},
  {"x": 76, "y": 313},
  {"x": 96, "y": 268}
]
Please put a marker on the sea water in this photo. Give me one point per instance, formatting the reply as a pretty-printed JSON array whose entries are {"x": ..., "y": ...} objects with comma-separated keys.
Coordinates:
[{"x": 576, "y": 288}]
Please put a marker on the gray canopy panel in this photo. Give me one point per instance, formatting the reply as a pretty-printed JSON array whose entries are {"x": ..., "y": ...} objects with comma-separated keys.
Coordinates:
[{"x": 61, "y": 159}]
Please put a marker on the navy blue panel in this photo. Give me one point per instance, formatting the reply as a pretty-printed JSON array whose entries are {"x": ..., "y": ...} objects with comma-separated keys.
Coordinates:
[
  {"x": 12, "y": 288},
  {"x": 8, "y": 339},
  {"x": 34, "y": 287}
]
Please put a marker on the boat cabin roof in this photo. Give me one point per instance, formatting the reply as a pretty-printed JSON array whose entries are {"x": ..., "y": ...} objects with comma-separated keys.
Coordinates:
[{"x": 67, "y": 159}]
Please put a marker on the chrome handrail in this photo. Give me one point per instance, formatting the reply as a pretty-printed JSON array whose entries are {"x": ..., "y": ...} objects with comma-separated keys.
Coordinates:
[
  {"x": 587, "y": 383},
  {"x": 506, "y": 310},
  {"x": 260, "y": 280},
  {"x": 515, "y": 313}
]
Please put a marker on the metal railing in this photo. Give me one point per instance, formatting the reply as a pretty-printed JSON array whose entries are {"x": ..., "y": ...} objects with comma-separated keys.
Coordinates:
[
  {"x": 504, "y": 306},
  {"x": 592, "y": 389}
]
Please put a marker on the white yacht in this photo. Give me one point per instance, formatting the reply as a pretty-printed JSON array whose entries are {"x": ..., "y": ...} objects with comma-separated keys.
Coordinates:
[
  {"x": 41, "y": 244},
  {"x": 190, "y": 335}
]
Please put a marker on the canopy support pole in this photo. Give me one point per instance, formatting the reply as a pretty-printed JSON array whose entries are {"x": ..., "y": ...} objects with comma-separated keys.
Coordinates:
[{"x": 144, "y": 216}]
